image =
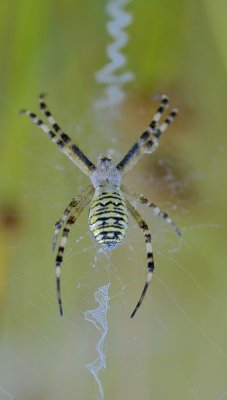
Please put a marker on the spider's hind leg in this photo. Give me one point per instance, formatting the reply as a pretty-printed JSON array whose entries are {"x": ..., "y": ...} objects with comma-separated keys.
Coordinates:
[
  {"x": 62, "y": 220},
  {"x": 59, "y": 258},
  {"x": 69, "y": 210},
  {"x": 72, "y": 215},
  {"x": 150, "y": 260}
]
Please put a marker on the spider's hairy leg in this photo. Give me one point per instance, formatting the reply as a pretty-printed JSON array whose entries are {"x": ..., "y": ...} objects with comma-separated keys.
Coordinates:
[
  {"x": 171, "y": 117},
  {"x": 151, "y": 145},
  {"x": 61, "y": 221},
  {"x": 164, "y": 105},
  {"x": 162, "y": 214},
  {"x": 156, "y": 210},
  {"x": 150, "y": 259},
  {"x": 63, "y": 141},
  {"x": 37, "y": 121},
  {"x": 69, "y": 209},
  {"x": 59, "y": 258},
  {"x": 45, "y": 110},
  {"x": 148, "y": 141}
]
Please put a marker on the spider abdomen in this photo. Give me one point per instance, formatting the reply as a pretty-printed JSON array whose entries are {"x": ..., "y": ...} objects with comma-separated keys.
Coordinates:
[{"x": 108, "y": 216}]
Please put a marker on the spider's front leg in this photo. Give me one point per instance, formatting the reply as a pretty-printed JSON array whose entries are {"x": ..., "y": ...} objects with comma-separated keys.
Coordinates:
[
  {"x": 60, "y": 138},
  {"x": 149, "y": 140}
]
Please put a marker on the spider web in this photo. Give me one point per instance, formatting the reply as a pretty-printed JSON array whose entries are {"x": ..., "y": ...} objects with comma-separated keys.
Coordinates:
[
  {"x": 33, "y": 319},
  {"x": 176, "y": 345}
]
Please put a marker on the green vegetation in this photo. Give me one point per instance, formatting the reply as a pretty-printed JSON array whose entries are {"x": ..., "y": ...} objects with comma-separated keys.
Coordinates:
[{"x": 175, "y": 348}]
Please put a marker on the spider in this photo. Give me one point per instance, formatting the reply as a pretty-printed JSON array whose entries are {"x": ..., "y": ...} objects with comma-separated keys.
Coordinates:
[{"x": 109, "y": 209}]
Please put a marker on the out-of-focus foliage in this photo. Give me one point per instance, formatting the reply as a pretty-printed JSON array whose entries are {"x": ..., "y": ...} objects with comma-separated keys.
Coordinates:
[{"x": 176, "y": 347}]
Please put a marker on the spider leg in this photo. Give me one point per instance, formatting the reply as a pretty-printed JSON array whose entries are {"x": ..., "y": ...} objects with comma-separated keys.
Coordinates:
[
  {"x": 149, "y": 140},
  {"x": 72, "y": 205},
  {"x": 156, "y": 210},
  {"x": 45, "y": 110},
  {"x": 62, "y": 140},
  {"x": 150, "y": 260},
  {"x": 59, "y": 258},
  {"x": 171, "y": 117},
  {"x": 62, "y": 220},
  {"x": 151, "y": 145},
  {"x": 164, "y": 105}
]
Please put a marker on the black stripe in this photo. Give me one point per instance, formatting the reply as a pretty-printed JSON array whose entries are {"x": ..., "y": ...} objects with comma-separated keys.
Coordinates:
[
  {"x": 108, "y": 196},
  {"x": 134, "y": 149},
  {"x": 147, "y": 237},
  {"x": 105, "y": 219},
  {"x": 42, "y": 105},
  {"x": 160, "y": 110},
  {"x": 165, "y": 101},
  {"x": 95, "y": 214},
  {"x": 153, "y": 124},
  {"x": 103, "y": 231},
  {"x": 104, "y": 235},
  {"x": 149, "y": 255},
  {"x": 65, "y": 138},
  {"x": 82, "y": 156},
  {"x": 151, "y": 266},
  {"x": 116, "y": 218},
  {"x": 71, "y": 220},
  {"x": 143, "y": 225},
  {"x": 108, "y": 203},
  {"x": 58, "y": 260},
  {"x": 60, "y": 143},
  {"x": 145, "y": 135},
  {"x": 61, "y": 249},
  {"x": 56, "y": 127},
  {"x": 51, "y": 134},
  {"x": 173, "y": 114}
]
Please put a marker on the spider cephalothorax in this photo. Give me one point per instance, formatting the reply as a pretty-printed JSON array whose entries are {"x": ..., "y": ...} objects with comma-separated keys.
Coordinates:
[
  {"x": 109, "y": 208},
  {"x": 105, "y": 173}
]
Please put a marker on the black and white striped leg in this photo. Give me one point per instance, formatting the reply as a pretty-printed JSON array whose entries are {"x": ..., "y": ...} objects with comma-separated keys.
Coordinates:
[
  {"x": 70, "y": 221},
  {"x": 171, "y": 117},
  {"x": 65, "y": 145},
  {"x": 69, "y": 210},
  {"x": 151, "y": 145},
  {"x": 45, "y": 110},
  {"x": 163, "y": 106},
  {"x": 150, "y": 259},
  {"x": 162, "y": 214},
  {"x": 148, "y": 141},
  {"x": 37, "y": 121},
  {"x": 61, "y": 221},
  {"x": 156, "y": 210}
]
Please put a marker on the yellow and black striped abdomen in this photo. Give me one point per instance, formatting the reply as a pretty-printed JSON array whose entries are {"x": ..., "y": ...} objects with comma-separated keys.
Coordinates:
[{"x": 108, "y": 216}]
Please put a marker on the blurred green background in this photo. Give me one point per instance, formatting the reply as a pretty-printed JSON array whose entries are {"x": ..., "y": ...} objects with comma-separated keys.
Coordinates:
[{"x": 176, "y": 346}]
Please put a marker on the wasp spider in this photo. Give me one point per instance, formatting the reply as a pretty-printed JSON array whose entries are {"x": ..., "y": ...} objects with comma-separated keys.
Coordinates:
[{"x": 108, "y": 208}]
